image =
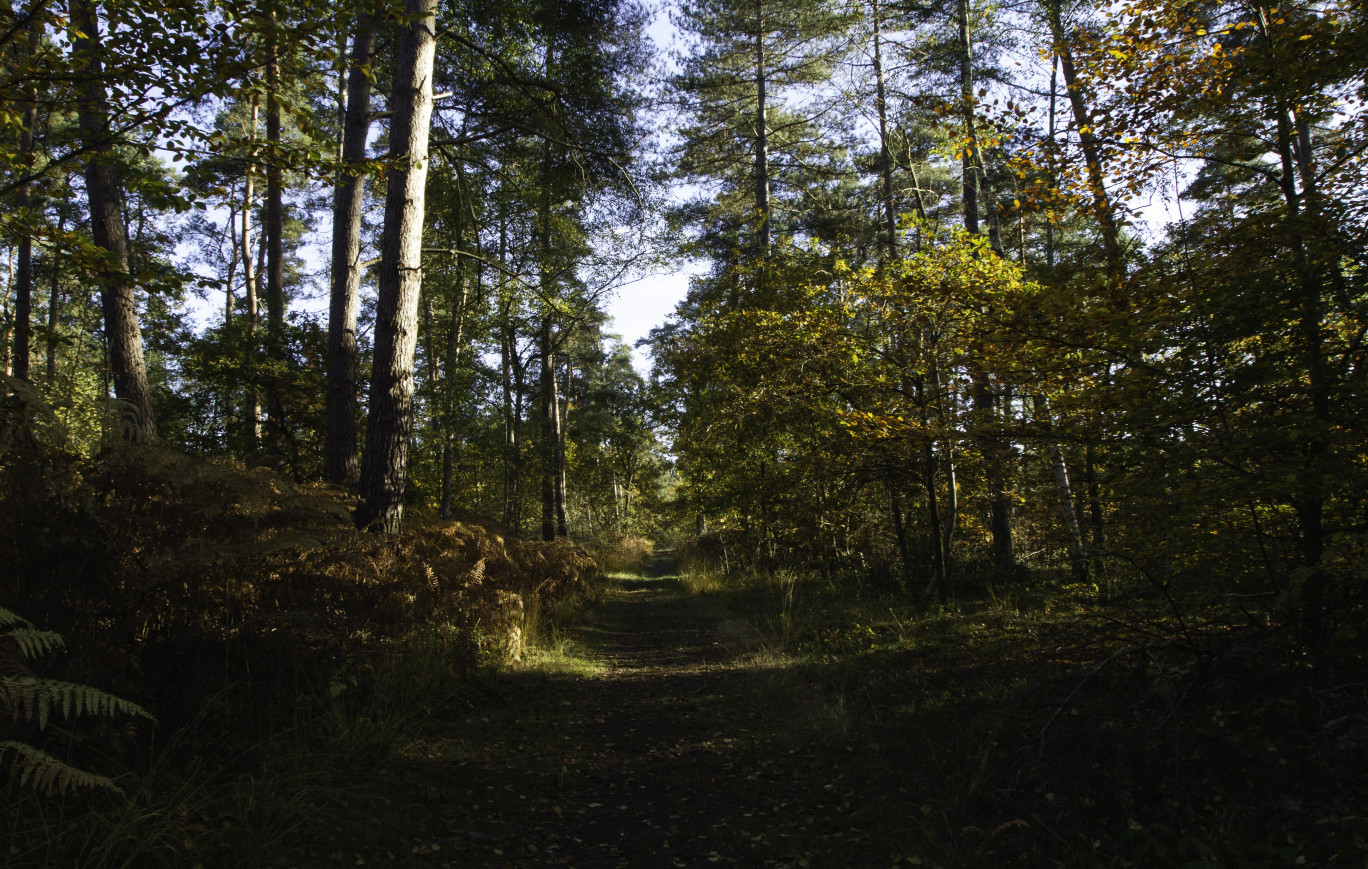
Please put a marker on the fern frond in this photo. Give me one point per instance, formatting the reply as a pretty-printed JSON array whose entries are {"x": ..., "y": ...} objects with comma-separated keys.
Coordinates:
[
  {"x": 33, "y": 699},
  {"x": 48, "y": 774},
  {"x": 8, "y": 618},
  {"x": 34, "y": 643}
]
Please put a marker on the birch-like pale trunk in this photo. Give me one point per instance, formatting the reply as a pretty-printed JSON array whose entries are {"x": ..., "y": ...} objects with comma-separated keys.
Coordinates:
[
  {"x": 1068, "y": 512},
  {"x": 384, "y": 464}
]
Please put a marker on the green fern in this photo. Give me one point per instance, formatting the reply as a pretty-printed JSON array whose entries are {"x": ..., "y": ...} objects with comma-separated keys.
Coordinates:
[
  {"x": 34, "y": 643},
  {"x": 34, "y": 699},
  {"x": 43, "y": 772}
]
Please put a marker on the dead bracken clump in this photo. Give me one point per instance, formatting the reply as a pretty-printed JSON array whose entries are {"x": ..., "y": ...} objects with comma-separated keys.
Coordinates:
[{"x": 175, "y": 578}]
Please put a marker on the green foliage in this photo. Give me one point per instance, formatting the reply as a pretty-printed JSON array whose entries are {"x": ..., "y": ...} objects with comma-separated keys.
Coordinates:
[{"x": 34, "y": 699}]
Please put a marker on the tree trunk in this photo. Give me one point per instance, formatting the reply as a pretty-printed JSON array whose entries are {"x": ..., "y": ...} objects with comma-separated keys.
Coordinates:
[
  {"x": 986, "y": 407},
  {"x": 1078, "y": 556},
  {"x": 23, "y": 275},
  {"x": 54, "y": 311},
  {"x": 127, "y": 370},
  {"x": 550, "y": 434},
  {"x": 345, "y": 298},
  {"x": 885, "y": 153},
  {"x": 1049, "y": 223},
  {"x": 969, "y": 150},
  {"x": 384, "y": 466},
  {"x": 251, "y": 405},
  {"x": 1303, "y": 210},
  {"x": 448, "y": 398},
  {"x": 562, "y": 471},
  {"x": 275, "y": 227},
  {"x": 762, "y": 185},
  {"x": 512, "y": 451},
  {"x": 1103, "y": 208},
  {"x": 940, "y": 555}
]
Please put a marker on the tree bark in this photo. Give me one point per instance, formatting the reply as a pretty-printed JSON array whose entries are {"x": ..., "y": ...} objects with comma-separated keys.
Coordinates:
[
  {"x": 275, "y": 226},
  {"x": 455, "y": 336},
  {"x": 969, "y": 153},
  {"x": 23, "y": 274},
  {"x": 1303, "y": 209},
  {"x": 1103, "y": 207},
  {"x": 762, "y": 185},
  {"x": 512, "y": 445},
  {"x": 345, "y": 298},
  {"x": 251, "y": 405},
  {"x": 384, "y": 467},
  {"x": 562, "y": 429},
  {"x": 885, "y": 153},
  {"x": 1068, "y": 513},
  {"x": 550, "y": 434},
  {"x": 54, "y": 311},
  {"x": 127, "y": 369},
  {"x": 940, "y": 554},
  {"x": 986, "y": 407}
]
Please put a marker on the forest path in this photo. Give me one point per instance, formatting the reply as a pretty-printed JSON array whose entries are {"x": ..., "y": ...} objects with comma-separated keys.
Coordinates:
[{"x": 683, "y": 749}]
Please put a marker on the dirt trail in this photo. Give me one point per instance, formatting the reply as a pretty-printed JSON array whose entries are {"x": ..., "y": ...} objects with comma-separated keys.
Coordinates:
[{"x": 673, "y": 755}]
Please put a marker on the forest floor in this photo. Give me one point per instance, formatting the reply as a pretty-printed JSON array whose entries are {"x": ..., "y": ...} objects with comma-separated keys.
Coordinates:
[
  {"x": 773, "y": 725},
  {"x": 671, "y": 742}
]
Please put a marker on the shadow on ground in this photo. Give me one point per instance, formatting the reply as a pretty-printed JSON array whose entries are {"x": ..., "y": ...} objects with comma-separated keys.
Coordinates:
[{"x": 682, "y": 750}]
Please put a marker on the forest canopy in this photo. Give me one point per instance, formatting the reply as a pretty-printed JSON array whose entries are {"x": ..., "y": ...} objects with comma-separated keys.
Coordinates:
[{"x": 941, "y": 320}]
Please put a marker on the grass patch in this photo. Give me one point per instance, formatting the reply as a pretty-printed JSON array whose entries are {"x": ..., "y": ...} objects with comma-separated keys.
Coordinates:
[{"x": 1037, "y": 724}]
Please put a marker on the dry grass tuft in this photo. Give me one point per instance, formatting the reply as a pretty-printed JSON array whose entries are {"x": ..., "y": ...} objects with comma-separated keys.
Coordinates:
[{"x": 622, "y": 554}]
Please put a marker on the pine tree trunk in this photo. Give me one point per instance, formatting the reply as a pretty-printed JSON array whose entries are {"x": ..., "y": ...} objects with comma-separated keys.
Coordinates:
[
  {"x": 455, "y": 336},
  {"x": 940, "y": 554},
  {"x": 885, "y": 153},
  {"x": 562, "y": 426},
  {"x": 23, "y": 274},
  {"x": 384, "y": 466},
  {"x": 549, "y": 433},
  {"x": 762, "y": 185},
  {"x": 251, "y": 404},
  {"x": 124, "y": 338},
  {"x": 54, "y": 311},
  {"x": 275, "y": 228},
  {"x": 345, "y": 298},
  {"x": 968, "y": 153},
  {"x": 512, "y": 447},
  {"x": 986, "y": 407}
]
